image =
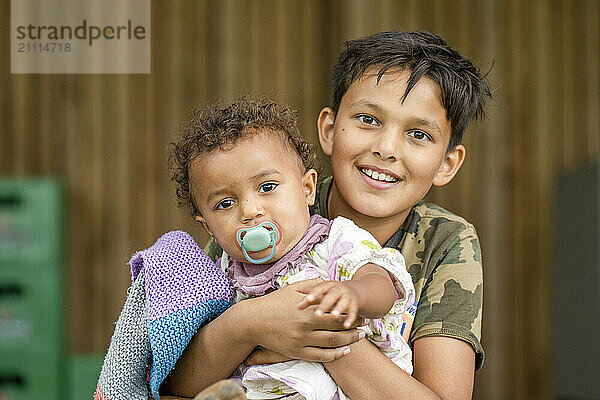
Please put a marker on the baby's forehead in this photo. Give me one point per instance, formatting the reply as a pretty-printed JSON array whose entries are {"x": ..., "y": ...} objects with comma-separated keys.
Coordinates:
[
  {"x": 264, "y": 138},
  {"x": 249, "y": 138}
]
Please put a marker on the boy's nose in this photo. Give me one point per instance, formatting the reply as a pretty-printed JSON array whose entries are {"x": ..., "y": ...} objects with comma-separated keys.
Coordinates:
[
  {"x": 386, "y": 145},
  {"x": 251, "y": 210}
]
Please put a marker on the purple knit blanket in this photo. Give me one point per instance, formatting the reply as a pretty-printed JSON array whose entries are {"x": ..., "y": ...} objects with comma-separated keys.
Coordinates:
[{"x": 182, "y": 290}]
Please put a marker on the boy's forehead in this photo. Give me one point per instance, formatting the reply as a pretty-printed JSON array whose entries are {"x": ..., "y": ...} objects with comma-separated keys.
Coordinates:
[
  {"x": 374, "y": 71},
  {"x": 400, "y": 75},
  {"x": 396, "y": 76}
]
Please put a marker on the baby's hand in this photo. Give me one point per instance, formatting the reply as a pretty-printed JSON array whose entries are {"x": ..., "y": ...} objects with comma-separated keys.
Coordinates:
[{"x": 337, "y": 297}]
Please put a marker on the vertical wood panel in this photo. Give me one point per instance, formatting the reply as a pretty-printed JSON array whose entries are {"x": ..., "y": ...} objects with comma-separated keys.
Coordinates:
[
  {"x": 162, "y": 50},
  {"x": 495, "y": 210},
  {"x": 255, "y": 33},
  {"x": 126, "y": 128},
  {"x": 6, "y": 96},
  {"x": 93, "y": 194},
  {"x": 309, "y": 72},
  {"x": 279, "y": 47},
  {"x": 492, "y": 210},
  {"x": 515, "y": 104},
  {"x": 542, "y": 177},
  {"x": 43, "y": 123},
  {"x": 18, "y": 117},
  {"x": 177, "y": 103},
  {"x": 386, "y": 17},
  {"x": 43, "y": 127},
  {"x": 567, "y": 22},
  {"x": 592, "y": 74},
  {"x": 581, "y": 87}
]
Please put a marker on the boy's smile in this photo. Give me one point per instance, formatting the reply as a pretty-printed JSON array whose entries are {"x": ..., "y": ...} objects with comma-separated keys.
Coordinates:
[
  {"x": 386, "y": 153},
  {"x": 257, "y": 179}
]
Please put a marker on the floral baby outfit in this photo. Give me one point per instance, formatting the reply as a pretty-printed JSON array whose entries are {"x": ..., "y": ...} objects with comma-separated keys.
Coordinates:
[{"x": 337, "y": 256}]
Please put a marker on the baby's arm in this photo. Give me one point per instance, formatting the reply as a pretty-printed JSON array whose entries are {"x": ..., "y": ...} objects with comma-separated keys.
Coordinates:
[{"x": 369, "y": 294}]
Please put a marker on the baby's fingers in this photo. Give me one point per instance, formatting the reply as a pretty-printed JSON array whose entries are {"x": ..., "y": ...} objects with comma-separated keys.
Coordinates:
[
  {"x": 350, "y": 307},
  {"x": 314, "y": 296},
  {"x": 346, "y": 305},
  {"x": 328, "y": 302}
]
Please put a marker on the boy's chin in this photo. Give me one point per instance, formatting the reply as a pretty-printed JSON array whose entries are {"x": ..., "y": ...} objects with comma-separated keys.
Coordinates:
[{"x": 371, "y": 209}]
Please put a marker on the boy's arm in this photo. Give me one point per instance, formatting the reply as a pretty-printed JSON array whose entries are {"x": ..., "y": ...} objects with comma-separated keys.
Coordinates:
[
  {"x": 443, "y": 369},
  {"x": 272, "y": 321}
]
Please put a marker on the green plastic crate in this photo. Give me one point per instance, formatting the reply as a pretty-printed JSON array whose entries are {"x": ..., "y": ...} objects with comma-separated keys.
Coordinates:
[
  {"x": 31, "y": 290},
  {"x": 30, "y": 221},
  {"x": 31, "y": 375},
  {"x": 31, "y": 314},
  {"x": 83, "y": 371}
]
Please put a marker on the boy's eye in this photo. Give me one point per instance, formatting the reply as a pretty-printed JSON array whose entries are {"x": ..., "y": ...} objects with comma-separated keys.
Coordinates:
[
  {"x": 419, "y": 135},
  {"x": 267, "y": 187},
  {"x": 224, "y": 204},
  {"x": 367, "y": 119}
]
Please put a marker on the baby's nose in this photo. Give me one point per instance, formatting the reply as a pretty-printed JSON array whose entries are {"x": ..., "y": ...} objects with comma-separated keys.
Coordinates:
[{"x": 251, "y": 210}]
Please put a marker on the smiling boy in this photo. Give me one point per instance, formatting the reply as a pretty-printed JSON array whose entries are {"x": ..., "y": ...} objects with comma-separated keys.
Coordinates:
[{"x": 401, "y": 104}]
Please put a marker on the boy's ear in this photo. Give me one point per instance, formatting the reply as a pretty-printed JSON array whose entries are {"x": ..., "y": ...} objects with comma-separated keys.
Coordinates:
[
  {"x": 309, "y": 184},
  {"x": 202, "y": 222},
  {"x": 325, "y": 125},
  {"x": 450, "y": 166}
]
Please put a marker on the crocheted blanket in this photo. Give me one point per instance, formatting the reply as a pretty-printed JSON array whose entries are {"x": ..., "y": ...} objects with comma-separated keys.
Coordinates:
[{"x": 176, "y": 289}]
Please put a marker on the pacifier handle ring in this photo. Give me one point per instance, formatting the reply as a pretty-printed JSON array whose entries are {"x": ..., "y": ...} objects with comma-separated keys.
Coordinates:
[{"x": 264, "y": 259}]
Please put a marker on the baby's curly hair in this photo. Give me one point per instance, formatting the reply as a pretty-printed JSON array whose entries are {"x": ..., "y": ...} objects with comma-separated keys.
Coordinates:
[{"x": 220, "y": 125}]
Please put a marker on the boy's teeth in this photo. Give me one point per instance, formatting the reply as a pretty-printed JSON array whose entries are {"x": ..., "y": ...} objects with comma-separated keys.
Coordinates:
[{"x": 379, "y": 176}]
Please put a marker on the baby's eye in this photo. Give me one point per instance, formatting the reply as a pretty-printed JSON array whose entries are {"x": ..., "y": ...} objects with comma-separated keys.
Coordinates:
[
  {"x": 267, "y": 187},
  {"x": 224, "y": 204},
  {"x": 367, "y": 119},
  {"x": 419, "y": 135}
]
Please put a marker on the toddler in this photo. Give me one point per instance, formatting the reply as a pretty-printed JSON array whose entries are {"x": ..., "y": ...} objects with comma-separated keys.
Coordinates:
[{"x": 250, "y": 178}]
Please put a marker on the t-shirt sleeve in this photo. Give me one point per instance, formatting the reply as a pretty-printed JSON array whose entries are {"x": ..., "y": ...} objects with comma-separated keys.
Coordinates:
[{"x": 451, "y": 301}]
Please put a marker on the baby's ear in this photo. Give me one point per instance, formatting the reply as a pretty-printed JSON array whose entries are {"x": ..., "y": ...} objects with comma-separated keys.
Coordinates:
[
  {"x": 325, "y": 125},
  {"x": 450, "y": 166},
  {"x": 202, "y": 222},
  {"x": 309, "y": 184}
]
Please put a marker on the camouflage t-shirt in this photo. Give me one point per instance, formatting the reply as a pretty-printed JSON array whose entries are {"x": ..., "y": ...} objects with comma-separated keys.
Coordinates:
[{"x": 443, "y": 256}]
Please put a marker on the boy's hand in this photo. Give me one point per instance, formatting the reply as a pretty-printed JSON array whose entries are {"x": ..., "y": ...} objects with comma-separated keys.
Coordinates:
[{"x": 335, "y": 297}]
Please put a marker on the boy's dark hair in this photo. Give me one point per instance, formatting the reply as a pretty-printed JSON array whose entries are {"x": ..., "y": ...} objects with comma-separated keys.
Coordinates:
[
  {"x": 464, "y": 90},
  {"x": 220, "y": 125}
]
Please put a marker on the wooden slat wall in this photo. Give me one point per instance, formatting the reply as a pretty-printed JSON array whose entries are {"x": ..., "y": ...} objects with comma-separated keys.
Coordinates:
[{"x": 106, "y": 137}]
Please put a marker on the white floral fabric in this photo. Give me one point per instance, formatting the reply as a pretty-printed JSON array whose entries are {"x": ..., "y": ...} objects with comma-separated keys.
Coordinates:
[{"x": 338, "y": 258}]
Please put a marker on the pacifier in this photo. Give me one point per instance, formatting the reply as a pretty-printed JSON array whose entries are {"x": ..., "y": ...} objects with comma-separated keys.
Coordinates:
[{"x": 258, "y": 238}]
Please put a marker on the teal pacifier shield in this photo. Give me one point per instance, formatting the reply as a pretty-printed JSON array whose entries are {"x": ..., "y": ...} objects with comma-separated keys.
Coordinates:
[{"x": 257, "y": 239}]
